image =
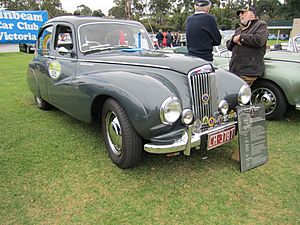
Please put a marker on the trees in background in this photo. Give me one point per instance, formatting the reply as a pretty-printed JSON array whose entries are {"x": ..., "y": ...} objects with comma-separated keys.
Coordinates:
[
  {"x": 291, "y": 9},
  {"x": 167, "y": 14},
  {"x": 53, "y": 7},
  {"x": 172, "y": 14}
]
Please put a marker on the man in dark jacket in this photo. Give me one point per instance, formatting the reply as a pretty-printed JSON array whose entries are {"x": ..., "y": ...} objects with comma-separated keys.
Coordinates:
[
  {"x": 248, "y": 46},
  {"x": 160, "y": 37},
  {"x": 202, "y": 32},
  {"x": 169, "y": 39}
]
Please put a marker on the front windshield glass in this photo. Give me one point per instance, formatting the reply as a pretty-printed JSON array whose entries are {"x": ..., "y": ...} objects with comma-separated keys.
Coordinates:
[{"x": 104, "y": 36}]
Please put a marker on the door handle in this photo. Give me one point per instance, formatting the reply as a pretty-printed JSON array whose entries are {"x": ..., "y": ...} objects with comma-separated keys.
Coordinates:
[{"x": 49, "y": 57}]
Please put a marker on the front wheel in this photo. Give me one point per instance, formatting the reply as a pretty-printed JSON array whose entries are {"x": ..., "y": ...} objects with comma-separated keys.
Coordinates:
[
  {"x": 124, "y": 144},
  {"x": 271, "y": 96}
]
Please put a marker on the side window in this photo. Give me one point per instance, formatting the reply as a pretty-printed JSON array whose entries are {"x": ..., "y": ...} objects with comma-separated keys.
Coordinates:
[
  {"x": 63, "y": 37},
  {"x": 44, "y": 40}
]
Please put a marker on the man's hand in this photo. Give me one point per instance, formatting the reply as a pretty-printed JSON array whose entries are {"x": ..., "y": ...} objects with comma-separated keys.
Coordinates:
[{"x": 236, "y": 39}]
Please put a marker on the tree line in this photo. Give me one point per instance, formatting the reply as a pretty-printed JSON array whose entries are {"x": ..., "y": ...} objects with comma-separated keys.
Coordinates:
[{"x": 168, "y": 14}]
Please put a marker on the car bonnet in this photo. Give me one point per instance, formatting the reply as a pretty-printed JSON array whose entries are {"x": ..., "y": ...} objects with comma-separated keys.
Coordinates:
[
  {"x": 176, "y": 62},
  {"x": 283, "y": 56}
]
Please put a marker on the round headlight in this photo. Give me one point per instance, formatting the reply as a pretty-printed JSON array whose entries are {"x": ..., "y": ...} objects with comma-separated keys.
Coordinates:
[
  {"x": 187, "y": 116},
  {"x": 170, "y": 110},
  {"x": 223, "y": 106},
  {"x": 244, "y": 95}
]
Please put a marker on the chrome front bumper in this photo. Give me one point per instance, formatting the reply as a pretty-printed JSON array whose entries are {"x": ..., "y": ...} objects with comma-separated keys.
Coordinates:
[{"x": 186, "y": 142}]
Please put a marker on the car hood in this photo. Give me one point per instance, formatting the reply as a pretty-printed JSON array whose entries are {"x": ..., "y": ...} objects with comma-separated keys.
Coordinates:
[
  {"x": 283, "y": 56},
  {"x": 177, "y": 62}
]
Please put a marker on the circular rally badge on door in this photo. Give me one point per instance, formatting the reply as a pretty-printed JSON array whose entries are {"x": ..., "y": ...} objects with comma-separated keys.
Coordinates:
[{"x": 54, "y": 69}]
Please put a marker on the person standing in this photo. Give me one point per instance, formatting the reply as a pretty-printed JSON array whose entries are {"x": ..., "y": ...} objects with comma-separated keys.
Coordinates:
[
  {"x": 178, "y": 38},
  {"x": 202, "y": 32},
  {"x": 169, "y": 39},
  {"x": 175, "y": 36},
  {"x": 160, "y": 37},
  {"x": 248, "y": 46}
]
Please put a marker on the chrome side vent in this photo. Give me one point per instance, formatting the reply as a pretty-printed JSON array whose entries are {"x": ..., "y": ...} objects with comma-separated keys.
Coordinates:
[{"x": 202, "y": 82}]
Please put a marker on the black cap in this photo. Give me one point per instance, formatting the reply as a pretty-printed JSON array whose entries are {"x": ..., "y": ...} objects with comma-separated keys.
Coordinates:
[
  {"x": 246, "y": 9},
  {"x": 202, "y": 3}
]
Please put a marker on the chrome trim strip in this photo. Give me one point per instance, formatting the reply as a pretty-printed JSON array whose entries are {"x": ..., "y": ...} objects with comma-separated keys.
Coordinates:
[
  {"x": 185, "y": 143},
  {"x": 109, "y": 62},
  {"x": 125, "y": 63}
]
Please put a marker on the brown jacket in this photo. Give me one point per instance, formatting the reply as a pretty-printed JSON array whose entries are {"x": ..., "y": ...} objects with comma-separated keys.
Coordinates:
[{"x": 248, "y": 59}]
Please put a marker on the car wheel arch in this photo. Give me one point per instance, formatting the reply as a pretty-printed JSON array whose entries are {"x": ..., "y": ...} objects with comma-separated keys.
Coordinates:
[
  {"x": 124, "y": 144},
  {"x": 99, "y": 101},
  {"x": 138, "y": 101}
]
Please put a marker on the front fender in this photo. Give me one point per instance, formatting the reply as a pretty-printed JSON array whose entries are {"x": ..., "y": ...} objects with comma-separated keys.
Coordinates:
[
  {"x": 286, "y": 76},
  {"x": 140, "y": 93},
  {"x": 228, "y": 85}
]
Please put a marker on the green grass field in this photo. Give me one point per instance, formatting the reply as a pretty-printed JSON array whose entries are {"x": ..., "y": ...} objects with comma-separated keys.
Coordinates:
[
  {"x": 273, "y": 42},
  {"x": 55, "y": 170}
]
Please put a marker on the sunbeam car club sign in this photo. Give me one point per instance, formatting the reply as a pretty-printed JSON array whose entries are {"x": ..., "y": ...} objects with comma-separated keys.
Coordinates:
[{"x": 21, "y": 26}]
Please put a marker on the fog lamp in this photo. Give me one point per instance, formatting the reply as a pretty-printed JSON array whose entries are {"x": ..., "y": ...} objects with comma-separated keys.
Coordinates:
[{"x": 187, "y": 116}]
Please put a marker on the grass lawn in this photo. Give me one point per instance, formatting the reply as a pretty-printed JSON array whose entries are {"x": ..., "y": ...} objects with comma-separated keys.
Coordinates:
[
  {"x": 273, "y": 42},
  {"x": 55, "y": 170}
]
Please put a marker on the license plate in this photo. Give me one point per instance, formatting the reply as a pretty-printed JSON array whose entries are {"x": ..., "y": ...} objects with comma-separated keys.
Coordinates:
[{"x": 218, "y": 138}]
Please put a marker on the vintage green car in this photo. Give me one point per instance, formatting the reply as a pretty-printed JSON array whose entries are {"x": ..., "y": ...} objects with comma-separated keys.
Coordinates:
[
  {"x": 107, "y": 70},
  {"x": 279, "y": 87},
  {"x": 280, "y": 84}
]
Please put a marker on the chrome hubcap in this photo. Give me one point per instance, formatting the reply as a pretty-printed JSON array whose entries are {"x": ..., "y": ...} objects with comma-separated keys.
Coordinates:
[
  {"x": 114, "y": 133},
  {"x": 266, "y": 97}
]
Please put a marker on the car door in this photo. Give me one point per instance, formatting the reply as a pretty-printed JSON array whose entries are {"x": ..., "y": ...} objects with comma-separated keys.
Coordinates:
[
  {"x": 61, "y": 66},
  {"x": 39, "y": 64}
]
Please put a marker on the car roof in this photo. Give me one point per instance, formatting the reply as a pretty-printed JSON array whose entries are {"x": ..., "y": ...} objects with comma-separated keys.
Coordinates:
[{"x": 78, "y": 20}]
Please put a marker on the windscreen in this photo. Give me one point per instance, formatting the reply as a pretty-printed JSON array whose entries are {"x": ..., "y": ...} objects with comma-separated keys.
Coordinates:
[{"x": 104, "y": 36}]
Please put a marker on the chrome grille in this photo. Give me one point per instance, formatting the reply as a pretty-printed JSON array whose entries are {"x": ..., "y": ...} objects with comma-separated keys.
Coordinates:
[{"x": 202, "y": 86}]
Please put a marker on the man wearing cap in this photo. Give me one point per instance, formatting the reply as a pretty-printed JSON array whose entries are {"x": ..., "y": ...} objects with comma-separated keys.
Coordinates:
[
  {"x": 202, "y": 32},
  {"x": 248, "y": 46}
]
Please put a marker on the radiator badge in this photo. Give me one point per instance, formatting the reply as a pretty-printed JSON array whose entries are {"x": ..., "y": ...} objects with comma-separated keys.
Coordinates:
[
  {"x": 220, "y": 119},
  {"x": 211, "y": 121},
  {"x": 231, "y": 115},
  {"x": 205, "y": 98},
  {"x": 205, "y": 120}
]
